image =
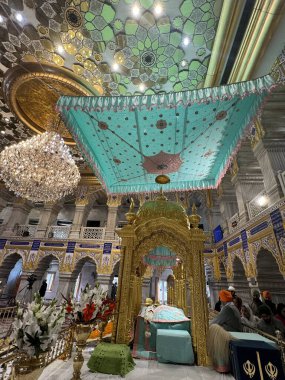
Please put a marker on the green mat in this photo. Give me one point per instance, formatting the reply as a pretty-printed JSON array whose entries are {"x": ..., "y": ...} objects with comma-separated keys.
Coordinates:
[{"x": 115, "y": 359}]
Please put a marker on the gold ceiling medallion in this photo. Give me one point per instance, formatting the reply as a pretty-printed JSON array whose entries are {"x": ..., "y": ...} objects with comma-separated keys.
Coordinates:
[
  {"x": 32, "y": 91},
  {"x": 73, "y": 17},
  {"x": 162, "y": 179}
]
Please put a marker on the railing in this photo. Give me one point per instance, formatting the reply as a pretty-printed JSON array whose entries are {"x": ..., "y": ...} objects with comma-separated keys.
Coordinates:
[
  {"x": 58, "y": 232},
  {"x": 61, "y": 350},
  {"x": 94, "y": 233},
  {"x": 7, "y": 315},
  {"x": 233, "y": 222},
  {"x": 25, "y": 230},
  {"x": 278, "y": 339}
]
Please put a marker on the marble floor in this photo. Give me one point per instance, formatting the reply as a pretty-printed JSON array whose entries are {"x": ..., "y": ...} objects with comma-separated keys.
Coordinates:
[{"x": 150, "y": 370}]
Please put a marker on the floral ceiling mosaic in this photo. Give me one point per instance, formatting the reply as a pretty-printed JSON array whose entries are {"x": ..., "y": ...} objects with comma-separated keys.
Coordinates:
[{"x": 121, "y": 47}]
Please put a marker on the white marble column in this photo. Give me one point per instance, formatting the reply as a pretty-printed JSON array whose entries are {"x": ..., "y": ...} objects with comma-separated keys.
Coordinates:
[
  {"x": 79, "y": 219},
  {"x": 271, "y": 158},
  {"x": 145, "y": 289},
  {"x": 48, "y": 217},
  {"x": 20, "y": 212},
  {"x": 66, "y": 285},
  {"x": 113, "y": 204},
  {"x": 246, "y": 187},
  {"x": 105, "y": 281}
]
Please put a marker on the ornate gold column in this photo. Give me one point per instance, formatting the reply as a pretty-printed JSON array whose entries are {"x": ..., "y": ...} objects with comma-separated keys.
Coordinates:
[
  {"x": 125, "y": 292},
  {"x": 199, "y": 302}
]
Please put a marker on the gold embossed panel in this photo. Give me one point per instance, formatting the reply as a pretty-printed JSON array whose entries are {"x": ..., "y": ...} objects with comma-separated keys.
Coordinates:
[{"x": 32, "y": 91}]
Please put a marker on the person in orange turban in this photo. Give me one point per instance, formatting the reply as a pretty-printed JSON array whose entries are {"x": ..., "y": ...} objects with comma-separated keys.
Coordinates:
[{"x": 225, "y": 296}]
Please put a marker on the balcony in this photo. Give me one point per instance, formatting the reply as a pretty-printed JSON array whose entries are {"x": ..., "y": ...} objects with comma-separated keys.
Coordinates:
[{"x": 58, "y": 233}]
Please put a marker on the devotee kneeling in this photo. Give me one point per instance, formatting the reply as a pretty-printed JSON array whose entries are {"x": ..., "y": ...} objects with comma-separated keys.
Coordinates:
[
  {"x": 268, "y": 323},
  {"x": 228, "y": 319}
]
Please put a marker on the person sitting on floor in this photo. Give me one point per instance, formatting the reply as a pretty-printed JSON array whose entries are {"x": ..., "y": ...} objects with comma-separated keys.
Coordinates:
[
  {"x": 268, "y": 301},
  {"x": 268, "y": 323},
  {"x": 248, "y": 318},
  {"x": 255, "y": 301},
  {"x": 229, "y": 318},
  {"x": 280, "y": 315}
]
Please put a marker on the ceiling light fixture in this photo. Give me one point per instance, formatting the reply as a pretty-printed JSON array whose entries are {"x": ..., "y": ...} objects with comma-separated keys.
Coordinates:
[
  {"x": 19, "y": 17},
  {"x": 6, "y": 119},
  {"x": 60, "y": 49},
  {"x": 136, "y": 10},
  {"x": 40, "y": 169},
  {"x": 186, "y": 41},
  {"x": 183, "y": 63},
  {"x": 1, "y": 19},
  {"x": 158, "y": 9},
  {"x": 115, "y": 66},
  {"x": 142, "y": 87},
  {"x": 3, "y": 132},
  {"x": 262, "y": 201}
]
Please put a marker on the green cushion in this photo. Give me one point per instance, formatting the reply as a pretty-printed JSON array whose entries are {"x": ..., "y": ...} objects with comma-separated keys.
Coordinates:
[
  {"x": 154, "y": 326},
  {"x": 115, "y": 359},
  {"x": 174, "y": 346}
]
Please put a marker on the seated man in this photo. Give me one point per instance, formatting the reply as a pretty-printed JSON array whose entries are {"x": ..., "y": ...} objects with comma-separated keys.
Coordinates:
[{"x": 268, "y": 323}]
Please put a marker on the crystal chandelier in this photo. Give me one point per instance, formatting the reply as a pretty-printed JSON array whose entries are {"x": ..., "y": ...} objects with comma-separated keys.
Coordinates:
[{"x": 40, "y": 169}]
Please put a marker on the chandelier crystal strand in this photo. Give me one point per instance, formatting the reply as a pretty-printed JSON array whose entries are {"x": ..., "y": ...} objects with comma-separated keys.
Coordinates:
[{"x": 40, "y": 169}]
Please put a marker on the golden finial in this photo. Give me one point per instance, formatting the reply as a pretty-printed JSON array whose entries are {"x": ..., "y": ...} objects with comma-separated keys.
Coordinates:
[
  {"x": 131, "y": 216},
  {"x": 132, "y": 205},
  {"x": 194, "y": 219},
  {"x": 161, "y": 196}
]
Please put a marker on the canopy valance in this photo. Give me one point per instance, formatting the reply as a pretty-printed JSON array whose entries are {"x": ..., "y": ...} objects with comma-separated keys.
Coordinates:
[{"x": 191, "y": 136}]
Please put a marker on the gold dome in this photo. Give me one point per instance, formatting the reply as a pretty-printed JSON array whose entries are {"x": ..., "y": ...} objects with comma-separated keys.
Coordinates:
[{"x": 162, "y": 208}]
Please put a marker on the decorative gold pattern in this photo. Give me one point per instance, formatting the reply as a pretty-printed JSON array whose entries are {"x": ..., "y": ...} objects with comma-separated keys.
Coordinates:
[
  {"x": 32, "y": 92},
  {"x": 162, "y": 223},
  {"x": 271, "y": 370},
  {"x": 249, "y": 369}
]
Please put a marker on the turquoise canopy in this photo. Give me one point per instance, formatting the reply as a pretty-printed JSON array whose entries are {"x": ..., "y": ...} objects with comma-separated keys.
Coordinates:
[{"x": 190, "y": 136}]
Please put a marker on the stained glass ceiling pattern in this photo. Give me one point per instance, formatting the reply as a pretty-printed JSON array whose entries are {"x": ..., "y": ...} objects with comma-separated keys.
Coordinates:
[
  {"x": 189, "y": 136},
  {"x": 121, "y": 47}
]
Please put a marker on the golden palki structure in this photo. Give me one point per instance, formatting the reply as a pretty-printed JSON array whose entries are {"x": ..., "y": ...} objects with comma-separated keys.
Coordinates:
[{"x": 162, "y": 223}]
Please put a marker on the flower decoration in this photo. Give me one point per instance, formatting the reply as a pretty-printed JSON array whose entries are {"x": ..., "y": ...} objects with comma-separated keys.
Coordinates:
[
  {"x": 36, "y": 328},
  {"x": 93, "y": 305}
]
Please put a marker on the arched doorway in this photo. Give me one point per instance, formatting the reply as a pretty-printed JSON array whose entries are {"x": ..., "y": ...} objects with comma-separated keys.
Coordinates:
[
  {"x": 114, "y": 278},
  {"x": 85, "y": 272},
  {"x": 48, "y": 269},
  {"x": 239, "y": 281},
  {"x": 10, "y": 277},
  {"x": 269, "y": 276}
]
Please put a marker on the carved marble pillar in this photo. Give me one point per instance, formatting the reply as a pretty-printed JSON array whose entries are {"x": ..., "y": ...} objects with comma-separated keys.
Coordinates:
[
  {"x": 20, "y": 212},
  {"x": 83, "y": 204},
  {"x": 66, "y": 285},
  {"x": 271, "y": 158},
  {"x": 145, "y": 288},
  {"x": 105, "y": 280},
  {"x": 48, "y": 217},
  {"x": 247, "y": 186},
  {"x": 113, "y": 203}
]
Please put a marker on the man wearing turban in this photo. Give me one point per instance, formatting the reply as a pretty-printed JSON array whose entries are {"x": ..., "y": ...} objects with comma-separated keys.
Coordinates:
[{"x": 229, "y": 319}]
